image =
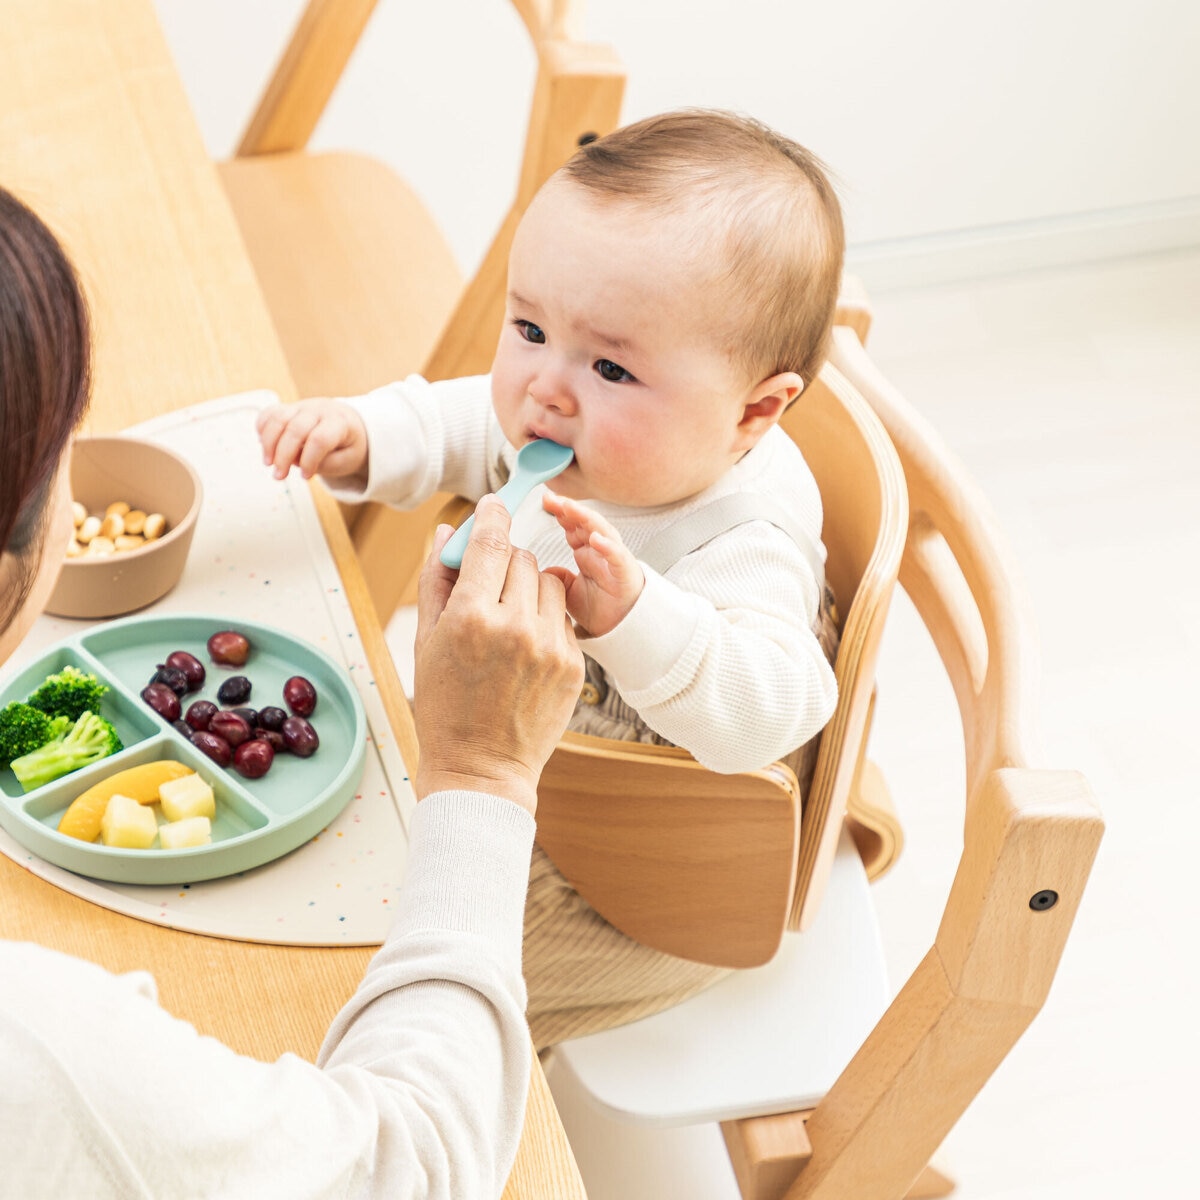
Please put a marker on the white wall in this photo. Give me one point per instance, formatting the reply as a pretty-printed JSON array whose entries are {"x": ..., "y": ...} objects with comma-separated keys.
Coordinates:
[{"x": 967, "y": 137}]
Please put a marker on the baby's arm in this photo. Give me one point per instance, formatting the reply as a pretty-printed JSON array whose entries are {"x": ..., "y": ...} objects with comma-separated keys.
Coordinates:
[
  {"x": 320, "y": 437},
  {"x": 609, "y": 580},
  {"x": 720, "y": 658}
]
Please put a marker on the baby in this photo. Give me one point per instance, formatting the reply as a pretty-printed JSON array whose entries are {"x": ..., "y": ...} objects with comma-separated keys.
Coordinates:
[{"x": 670, "y": 292}]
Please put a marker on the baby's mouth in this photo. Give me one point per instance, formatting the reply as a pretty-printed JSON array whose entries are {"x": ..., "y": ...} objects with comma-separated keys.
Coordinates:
[{"x": 533, "y": 436}]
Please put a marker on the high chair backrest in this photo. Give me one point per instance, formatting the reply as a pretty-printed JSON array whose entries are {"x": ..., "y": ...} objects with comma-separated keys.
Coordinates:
[
  {"x": 865, "y": 518},
  {"x": 715, "y": 867}
]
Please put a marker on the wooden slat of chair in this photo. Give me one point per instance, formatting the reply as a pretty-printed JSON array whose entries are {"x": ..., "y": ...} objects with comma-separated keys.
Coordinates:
[
  {"x": 306, "y": 76},
  {"x": 861, "y": 564},
  {"x": 357, "y": 274},
  {"x": 1030, "y": 839}
]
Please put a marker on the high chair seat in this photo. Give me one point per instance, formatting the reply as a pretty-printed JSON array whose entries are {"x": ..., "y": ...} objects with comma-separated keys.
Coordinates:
[{"x": 829, "y": 981}]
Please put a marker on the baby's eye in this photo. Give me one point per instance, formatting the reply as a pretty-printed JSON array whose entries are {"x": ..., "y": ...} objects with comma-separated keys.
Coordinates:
[
  {"x": 530, "y": 332},
  {"x": 613, "y": 372}
]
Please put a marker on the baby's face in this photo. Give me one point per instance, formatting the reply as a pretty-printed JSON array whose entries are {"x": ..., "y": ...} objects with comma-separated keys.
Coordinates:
[{"x": 610, "y": 346}]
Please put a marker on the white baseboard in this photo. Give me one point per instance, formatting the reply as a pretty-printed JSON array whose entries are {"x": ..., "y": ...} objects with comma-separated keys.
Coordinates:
[{"x": 1027, "y": 245}]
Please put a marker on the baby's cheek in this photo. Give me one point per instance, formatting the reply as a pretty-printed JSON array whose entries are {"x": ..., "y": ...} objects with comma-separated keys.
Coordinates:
[{"x": 616, "y": 451}]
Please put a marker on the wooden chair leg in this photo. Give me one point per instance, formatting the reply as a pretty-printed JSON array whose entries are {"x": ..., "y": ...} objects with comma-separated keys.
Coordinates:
[
  {"x": 931, "y": 1184},
  {"x": 767, "y": 1153}
]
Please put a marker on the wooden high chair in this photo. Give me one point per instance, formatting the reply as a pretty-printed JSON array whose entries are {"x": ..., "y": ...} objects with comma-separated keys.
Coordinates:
[
  {"x": 361, "y": 283},
  {"x": 765, "y": 1052}
]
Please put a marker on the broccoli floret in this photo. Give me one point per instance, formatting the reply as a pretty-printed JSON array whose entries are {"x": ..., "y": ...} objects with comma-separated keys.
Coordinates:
[
  {"x": 70, "y": 693},
  {"x": 59, "y": 728},
  {"x": 23, "y": 728},
  {"x": 89, "y": 739}
]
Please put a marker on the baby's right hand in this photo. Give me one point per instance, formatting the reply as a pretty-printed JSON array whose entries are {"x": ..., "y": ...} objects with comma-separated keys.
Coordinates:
[{"x": 321, "y": 437}]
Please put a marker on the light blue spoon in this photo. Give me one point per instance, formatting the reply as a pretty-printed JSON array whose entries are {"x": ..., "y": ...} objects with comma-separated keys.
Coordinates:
[{"x": 536, "y": 462}]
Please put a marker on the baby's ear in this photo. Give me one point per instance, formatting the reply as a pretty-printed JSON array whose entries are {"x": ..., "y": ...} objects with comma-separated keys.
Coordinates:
[{"x": 766, "y": 403}]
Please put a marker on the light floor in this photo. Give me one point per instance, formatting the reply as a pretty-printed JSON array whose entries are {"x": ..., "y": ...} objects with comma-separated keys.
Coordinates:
[{"x": 1073, "y": 397}]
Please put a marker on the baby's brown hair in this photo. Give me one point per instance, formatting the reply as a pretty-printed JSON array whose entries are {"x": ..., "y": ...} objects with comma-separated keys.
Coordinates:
[{"x": 766, "y": 198}]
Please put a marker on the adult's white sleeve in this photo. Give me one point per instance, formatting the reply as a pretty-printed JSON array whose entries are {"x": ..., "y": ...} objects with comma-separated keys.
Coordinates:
[{"x": 419, "y": 1089}]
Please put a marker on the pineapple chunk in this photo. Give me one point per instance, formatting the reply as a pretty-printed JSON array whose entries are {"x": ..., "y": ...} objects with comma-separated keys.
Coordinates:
[
  {"x": 190, "y": 831},
  {"x": 190, "y": 796},
  {"x": 128, "y": 824}
]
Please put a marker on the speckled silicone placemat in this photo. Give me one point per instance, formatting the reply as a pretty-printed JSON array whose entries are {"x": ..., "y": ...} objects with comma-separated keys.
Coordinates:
[{"x": 259, "y": 552}]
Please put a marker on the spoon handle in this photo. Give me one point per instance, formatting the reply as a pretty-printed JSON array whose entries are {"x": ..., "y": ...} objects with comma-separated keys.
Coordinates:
[{"x": 511, "y": 494}]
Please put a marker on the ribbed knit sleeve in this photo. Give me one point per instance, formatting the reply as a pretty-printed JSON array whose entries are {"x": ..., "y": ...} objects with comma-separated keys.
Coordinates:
[
  {"x": 720, "y": 657},
  {"x": 427, "y": 437}
]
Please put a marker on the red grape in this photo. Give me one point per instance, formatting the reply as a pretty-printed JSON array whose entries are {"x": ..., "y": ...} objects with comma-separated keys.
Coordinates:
[
  {"x": 300, "y": 737},
  {"x": 231, "y": 727},
  {"x": 200, "y": 712},
  {"x": 300, "y": 696},
  {"x": 229, "y": 647},
  {"x": 190, "y": 665},
  {"x": 217, "y": 748},
  {"x": 162, "y": 700},
  {"x": 253, "y": 759}
]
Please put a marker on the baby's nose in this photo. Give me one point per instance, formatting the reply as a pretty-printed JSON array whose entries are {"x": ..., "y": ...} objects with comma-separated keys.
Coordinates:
[{"x": 553, "y": 391}]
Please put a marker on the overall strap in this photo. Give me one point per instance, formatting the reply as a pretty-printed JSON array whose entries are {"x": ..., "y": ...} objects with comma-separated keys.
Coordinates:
[{"x": 689, "y": 533}]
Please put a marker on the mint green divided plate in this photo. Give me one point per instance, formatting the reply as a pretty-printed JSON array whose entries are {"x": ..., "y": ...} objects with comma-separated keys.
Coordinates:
[{"x": 257, "y": 819}]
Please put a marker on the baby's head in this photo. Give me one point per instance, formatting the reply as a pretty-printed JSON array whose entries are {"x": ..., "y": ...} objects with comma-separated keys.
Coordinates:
[
  {"x": 671, "y": 291},
  {"x": 758, "y": 211}
]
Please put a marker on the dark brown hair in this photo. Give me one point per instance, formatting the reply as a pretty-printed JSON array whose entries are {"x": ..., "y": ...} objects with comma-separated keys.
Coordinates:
[
  {"x": 44, "y": 384},
  {"x": 769, "y": 223}
]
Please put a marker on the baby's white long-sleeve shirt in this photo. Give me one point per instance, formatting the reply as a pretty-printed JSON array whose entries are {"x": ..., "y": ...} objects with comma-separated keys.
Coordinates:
[{"x": 718, "y": 654}]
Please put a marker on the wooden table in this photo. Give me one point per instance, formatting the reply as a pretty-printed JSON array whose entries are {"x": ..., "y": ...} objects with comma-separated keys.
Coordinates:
[{"x": 97, "y": 136}]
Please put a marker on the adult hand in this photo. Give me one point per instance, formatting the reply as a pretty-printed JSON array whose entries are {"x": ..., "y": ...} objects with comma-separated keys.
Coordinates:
[{"x": 497, "y": 669}]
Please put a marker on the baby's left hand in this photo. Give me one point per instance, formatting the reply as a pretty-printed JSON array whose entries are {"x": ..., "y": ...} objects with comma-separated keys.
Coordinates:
[{"x": 609, "y": 580}]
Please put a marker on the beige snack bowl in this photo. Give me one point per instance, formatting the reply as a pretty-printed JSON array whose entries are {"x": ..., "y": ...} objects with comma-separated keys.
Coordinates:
[{"x": 147, "y": 477}]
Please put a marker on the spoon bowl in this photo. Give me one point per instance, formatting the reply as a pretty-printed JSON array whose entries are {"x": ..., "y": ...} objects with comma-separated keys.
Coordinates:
[{"x": 536, "y": 462}]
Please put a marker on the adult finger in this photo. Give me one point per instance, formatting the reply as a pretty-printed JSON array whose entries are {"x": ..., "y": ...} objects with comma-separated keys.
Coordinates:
[
  {"x": 435, "y": 584},
  {"x": 552, "y": 590},
  {"x": 520, "y": 591},
  {"x": 486, "y": 559}
]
